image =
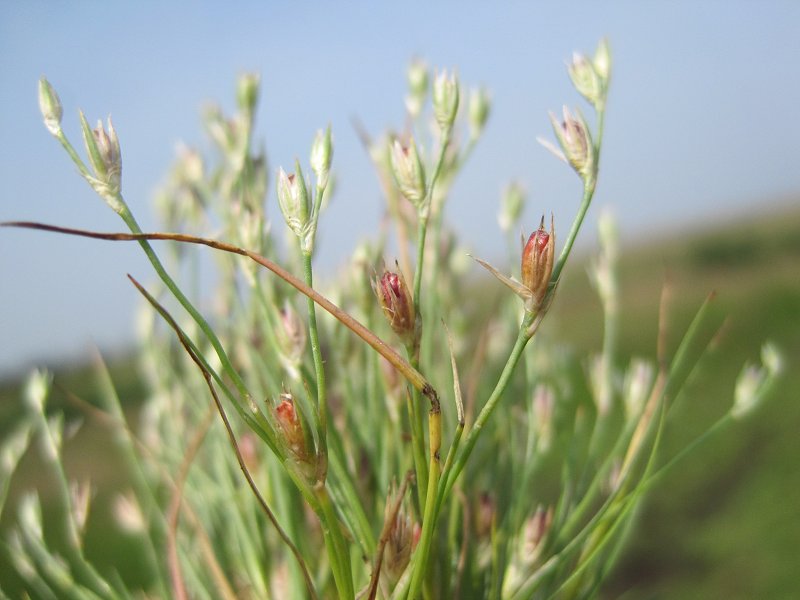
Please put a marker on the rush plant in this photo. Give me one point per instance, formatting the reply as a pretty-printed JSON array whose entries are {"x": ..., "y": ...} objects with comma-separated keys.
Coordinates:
[{"x": 370, "y": 436}]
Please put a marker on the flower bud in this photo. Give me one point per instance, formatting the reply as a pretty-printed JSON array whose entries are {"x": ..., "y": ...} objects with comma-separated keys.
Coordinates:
[
  {"x": 537, "y": 263},
  {"x": 247, "y": 92},
  {"x": 290, "y": 425},
  {"x": 576, "y": 144},
  {"x": 511, "y": 206},
  {"x": 398, "y": 306},
  {"x": 408, "y": 171},
  {"x": 321, "y": 155},
  {"x": 445, "y": 99},
  {"x": 479, "y": 106},
  {"x": 585, "y": 79},
  {"x": 293, "y": 199},
  {"x": 50, "y": 107}
]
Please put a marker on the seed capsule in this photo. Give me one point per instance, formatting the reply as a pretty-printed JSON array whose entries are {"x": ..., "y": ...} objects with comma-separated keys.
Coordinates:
[
  {"x": 537, "y": 263},
  {"x": 398, "y": 305}
]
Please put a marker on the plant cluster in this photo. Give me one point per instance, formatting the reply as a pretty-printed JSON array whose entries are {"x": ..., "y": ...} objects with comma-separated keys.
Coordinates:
[{"x": 381, "y": 437}]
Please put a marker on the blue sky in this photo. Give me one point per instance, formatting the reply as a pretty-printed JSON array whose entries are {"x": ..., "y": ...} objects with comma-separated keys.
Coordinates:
[{"x": 702, "y": 122}]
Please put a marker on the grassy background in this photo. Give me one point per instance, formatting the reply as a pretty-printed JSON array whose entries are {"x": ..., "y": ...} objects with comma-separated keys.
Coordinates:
[{"x": 726, "y": 522}]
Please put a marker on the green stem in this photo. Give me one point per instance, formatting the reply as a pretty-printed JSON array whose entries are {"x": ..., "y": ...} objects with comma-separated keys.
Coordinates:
[
  {"x": 418, "y": 443},
  {"x": 316, "y": 352},
  {"x": 588, "y": 192},
  {"x": 418, "y": 426},
  {"x": 338, "y": 552},
  {"x": 424, "y": 214},
  {"x": 429, "y": 518},
  {"x": 505, "y": 377},
  {"x": 589, "y": 185}
]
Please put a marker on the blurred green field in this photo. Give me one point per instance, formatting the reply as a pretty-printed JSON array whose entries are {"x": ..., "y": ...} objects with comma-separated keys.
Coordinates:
[{"x": 726, "y": 522}]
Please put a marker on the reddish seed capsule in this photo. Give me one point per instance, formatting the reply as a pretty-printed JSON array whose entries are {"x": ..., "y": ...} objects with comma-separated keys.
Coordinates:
[
  {"x": 397, "y": 304},
  {"x": 290, "y": 425},
  {"x": 537, "y": 263}
]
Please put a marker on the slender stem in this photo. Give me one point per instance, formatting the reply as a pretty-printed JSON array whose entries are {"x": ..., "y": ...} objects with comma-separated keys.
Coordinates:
[
  {"x": 429, "y": 518},
  {"x": 424, "y": 215},
  {"x": 418, "y": 445},
  {"x": 424, "y": 212},
  {"x": 338, "y": 552},
  {"x": 505, "y": 377},
  {"x": 588, "y": 192},
  {"x": 132, "y": 224},
  {"x": 589, "y": 185},
  {"x": 319, "y": 369}
]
